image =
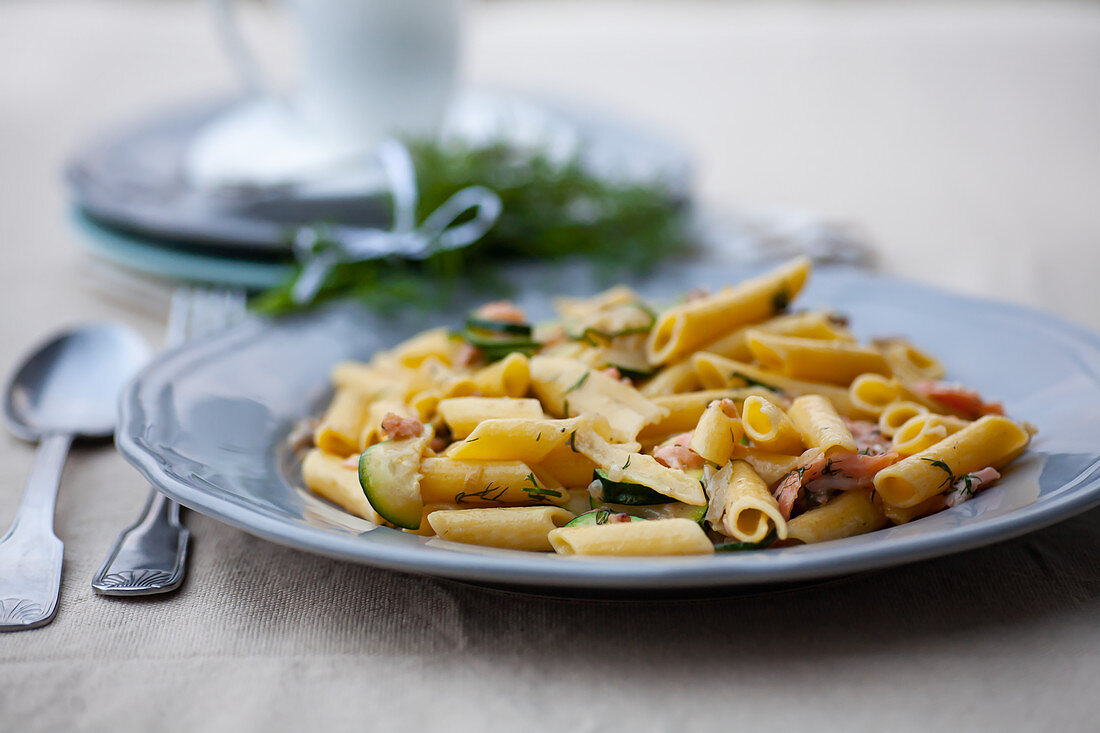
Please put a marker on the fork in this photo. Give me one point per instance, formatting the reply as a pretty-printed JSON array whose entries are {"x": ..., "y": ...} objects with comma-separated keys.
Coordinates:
[{"x": 150, "y": 556}]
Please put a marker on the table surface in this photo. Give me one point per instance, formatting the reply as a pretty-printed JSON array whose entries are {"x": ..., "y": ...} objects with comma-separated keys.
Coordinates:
[{"x": 964, "y": 137}]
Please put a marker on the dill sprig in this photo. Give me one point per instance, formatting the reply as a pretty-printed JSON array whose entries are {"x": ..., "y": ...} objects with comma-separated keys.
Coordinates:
[{"x": 551, "y": 211}]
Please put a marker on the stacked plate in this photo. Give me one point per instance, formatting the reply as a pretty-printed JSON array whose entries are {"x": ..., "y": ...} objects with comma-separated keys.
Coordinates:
[{"x": 139, "y": 205}]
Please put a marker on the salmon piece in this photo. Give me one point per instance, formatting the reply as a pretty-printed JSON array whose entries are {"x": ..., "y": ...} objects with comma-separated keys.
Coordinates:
[
  {"x": 466, "y": 354},
  {"x": 956, "y": 397},
  {"x": 810, "y": 466},
  {"x": 728, "y": 407},
  {"x": 501, "y": 311},
  {"x": 398, "y": 428},
  {"x": 677, "y": 454},
  {"x": 853, "y": 470},
  {"x": 823, "y": 475},
  {"x": 966, "y": 486},
  {"x": 868, "y": 436},
  {"x": 614, "y": 373}
]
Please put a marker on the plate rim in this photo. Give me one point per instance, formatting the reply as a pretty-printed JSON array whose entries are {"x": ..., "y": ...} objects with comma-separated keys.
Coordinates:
[{"x": 785, "y": 566}]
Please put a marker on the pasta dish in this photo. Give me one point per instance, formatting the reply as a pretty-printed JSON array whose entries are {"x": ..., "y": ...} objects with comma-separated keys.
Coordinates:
[{"x": 723, "y": 422}]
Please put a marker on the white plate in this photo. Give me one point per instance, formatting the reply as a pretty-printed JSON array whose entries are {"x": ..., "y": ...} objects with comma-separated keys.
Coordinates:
[{"x": 207, "y": 424}]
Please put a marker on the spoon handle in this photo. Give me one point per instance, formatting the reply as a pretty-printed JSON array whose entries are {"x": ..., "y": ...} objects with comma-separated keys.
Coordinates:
[{"x": 30, "y": 553}]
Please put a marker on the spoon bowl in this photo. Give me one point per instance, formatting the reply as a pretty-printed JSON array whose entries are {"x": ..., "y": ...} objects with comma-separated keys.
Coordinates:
[{"x": 71, "y": 383}]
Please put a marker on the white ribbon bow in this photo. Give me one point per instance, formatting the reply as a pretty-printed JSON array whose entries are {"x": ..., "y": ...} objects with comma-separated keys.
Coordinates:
[{"x": 318, "y": 255}]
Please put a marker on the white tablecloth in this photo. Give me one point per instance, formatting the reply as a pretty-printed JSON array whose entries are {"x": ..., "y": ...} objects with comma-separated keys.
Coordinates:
[{"x": 966, "y": 138}]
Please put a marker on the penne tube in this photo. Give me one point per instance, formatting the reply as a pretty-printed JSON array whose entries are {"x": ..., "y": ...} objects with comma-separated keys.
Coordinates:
[
  {"x": 567, "y": 467},
  {"x": 513, "y": 528},
  {"x": 568, "y": 388},
  {"x": 369, "y": 380},
  {"x": 436, "y": 343},
  {"x": 990, "y": 441},
  {"x": 749, "y": 511},
  {"x": 717, "y": 433},
  {"x": 340, "y": 427},
  {"x": 908, "y": 362},
  {"x": 673, "y": 379},
  {"x": 835, "y": 362},
  {"x": 462, "y": 414},
  {"x": 903, "y": 515},
  {"x": 684, "y": 410},
  {"x": 896, "y": 414},
  {"x": 716, "y": 372},
  {"x": 425, "y": 528},
  {"x": 650, "y": 537},
  {"x": 683, "y": 329},
  {"x": 425, "y": 403},
  {"x": 372, "y": 426},
  {"x": 485, "y": 483},
  {"x": 509, "y": 377},
  {"x": 849, "y": 514},
  {"x": 522, "y": 439},
  {"x": 873, "y": 392},
  {"x": 638, "y": 468},
  {"x": 769, "y": 428},
  {"x": 820, "y": 426},
  {"x": 924, "y": 431},
  {"x": 812, "y": 325},
  {"x": 771, "y": 467},
  {"x": 338, "y": 481}
]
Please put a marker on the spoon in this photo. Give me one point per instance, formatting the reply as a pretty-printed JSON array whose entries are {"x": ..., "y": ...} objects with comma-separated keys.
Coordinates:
[{"x": 68, "y": 388}]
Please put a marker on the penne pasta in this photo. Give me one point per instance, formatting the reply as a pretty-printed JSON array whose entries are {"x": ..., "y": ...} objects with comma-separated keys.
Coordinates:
[
  {"x": 340, "y": 427},
  {"x": 568, "y": 388},
  {"x": 850, "y": 514},
  {"x": 683, "y": 329},
  {"x": 462, "y": 414},
  {"x": 748, "y": 511},
  {"x": 925, "y": 430},
  {"x": 991, "y": 441},
  {"x": 716, "y": 372},
  {"x": 836, "y": 362},
  {"x": 485, "y": 483},
  {"x": 820, "y": 426},
  {"x": 769, "y": 428},
  {"x": 651, "y": 537},
  {"x": 513, "y": 528},
  {"x": 619, "y": 429},
  {"x": 331, "y": 477},
  {"x": 718, "y": 431},
  {"x": 896, "y": 414}
]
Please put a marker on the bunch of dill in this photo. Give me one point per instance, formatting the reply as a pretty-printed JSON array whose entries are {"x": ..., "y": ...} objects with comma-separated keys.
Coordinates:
[{"x": 551, "y": 211}]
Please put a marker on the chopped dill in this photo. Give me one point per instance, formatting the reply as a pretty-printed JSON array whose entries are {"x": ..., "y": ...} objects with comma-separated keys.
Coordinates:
[
  {"x": 950, "y": 480},
  {"x": 781, "y": 299},
  {"x": 749, "y": 381},
  {"x": 578, "y": 384}
]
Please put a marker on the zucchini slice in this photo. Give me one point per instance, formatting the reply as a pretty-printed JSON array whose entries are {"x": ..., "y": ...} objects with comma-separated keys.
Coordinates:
[
  {"x": 734, "y": 546},
  {"x": 622, "y": 492},
  {"x": 671, "y": 510},
  {"x": 503, "y": 327},
  {"x": 389, "y": 473},
  {"x": 598, "y": 516}
]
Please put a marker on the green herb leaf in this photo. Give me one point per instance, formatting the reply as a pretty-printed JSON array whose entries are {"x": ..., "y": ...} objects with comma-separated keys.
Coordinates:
[{"x": 552, "y": 210}]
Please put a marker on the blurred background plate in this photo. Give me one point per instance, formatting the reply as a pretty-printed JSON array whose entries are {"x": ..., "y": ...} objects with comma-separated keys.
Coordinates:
[{"x": 136, "y": 179}]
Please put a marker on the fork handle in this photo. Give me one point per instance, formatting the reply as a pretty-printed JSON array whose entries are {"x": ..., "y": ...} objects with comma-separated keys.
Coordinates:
[{"x": 149, "y": 557}]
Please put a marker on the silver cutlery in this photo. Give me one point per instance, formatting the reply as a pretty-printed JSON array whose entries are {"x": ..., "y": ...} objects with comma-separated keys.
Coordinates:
[
  {"x": 67, "y": 389},
  {"x": 151, "y": 556}
]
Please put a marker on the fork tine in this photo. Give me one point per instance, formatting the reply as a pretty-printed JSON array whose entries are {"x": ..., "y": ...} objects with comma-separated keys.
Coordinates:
[{"x": 179, "y": 316}]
